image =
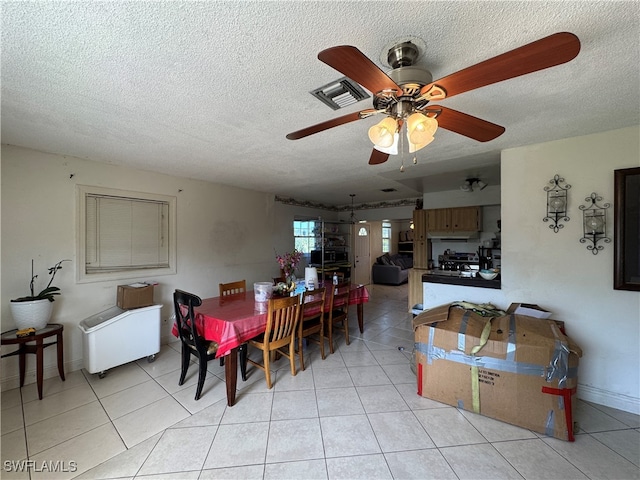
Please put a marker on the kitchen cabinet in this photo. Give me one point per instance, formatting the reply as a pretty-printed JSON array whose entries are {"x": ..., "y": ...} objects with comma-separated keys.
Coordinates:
[
  {"x": 420, "y": 241},
  {"x": 451, "y": 220},
  {"x": 415, "y": 286}
]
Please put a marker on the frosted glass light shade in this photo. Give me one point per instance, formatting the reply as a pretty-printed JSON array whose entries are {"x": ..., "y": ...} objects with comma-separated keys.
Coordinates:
[
  {"x": 393, "y": 149},
  {"x": 420, "y": 129},
  {"x": 382, "y": 134}
]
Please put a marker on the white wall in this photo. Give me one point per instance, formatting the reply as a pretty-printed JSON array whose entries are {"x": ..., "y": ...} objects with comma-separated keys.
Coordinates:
[
  {"x": 224, "y": 234},
  {"x": 556, "y": 271}
]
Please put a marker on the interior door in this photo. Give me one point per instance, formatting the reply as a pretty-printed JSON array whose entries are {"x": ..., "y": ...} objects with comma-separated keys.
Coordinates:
[{"x": 362, "y": 253}]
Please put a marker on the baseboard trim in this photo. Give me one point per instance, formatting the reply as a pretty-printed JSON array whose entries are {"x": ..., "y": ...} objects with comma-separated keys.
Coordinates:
[{"x": 609, "y": 399}]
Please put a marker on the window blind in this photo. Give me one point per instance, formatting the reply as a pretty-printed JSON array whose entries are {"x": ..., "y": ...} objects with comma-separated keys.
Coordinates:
[{"x": 126, "y": 234}]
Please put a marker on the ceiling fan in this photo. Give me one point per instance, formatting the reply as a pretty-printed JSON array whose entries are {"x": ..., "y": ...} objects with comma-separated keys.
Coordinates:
[{"x": 404, "y": 94}]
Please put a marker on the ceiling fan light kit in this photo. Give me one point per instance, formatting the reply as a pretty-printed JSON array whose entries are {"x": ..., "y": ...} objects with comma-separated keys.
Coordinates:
[
  {"x": 382, "y": 134},
  {"x": 469, "y": 182},
  {"x": 403, "y": 94},
  {"x": 421, "y": 129}
]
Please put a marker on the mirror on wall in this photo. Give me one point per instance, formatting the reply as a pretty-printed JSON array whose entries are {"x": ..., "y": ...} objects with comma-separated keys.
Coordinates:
[{"x": 626, "y": 267}]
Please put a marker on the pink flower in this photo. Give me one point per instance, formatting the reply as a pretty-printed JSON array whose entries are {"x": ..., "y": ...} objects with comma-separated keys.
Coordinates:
[{"x": 289, "y": 261}]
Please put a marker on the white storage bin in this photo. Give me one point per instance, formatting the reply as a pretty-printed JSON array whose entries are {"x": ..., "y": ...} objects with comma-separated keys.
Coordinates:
[{"x": 116, "y": 336}]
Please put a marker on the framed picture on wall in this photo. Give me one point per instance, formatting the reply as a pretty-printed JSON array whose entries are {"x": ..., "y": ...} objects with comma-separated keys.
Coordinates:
[{"x": 626, "y": 266}]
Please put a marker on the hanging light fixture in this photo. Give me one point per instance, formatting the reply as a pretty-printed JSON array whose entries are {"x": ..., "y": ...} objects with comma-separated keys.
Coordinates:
[
  {"x": 352, "y": 218},
  {"x": 382, "y": 134},
  {"x": 467, "y": 186},
  {"x": 420, "y": 130},
  {"x": 393, "y": 149}
]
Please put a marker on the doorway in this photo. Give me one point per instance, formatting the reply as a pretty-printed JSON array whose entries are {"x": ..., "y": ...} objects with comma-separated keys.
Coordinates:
[{"x": 362, "y": 253}]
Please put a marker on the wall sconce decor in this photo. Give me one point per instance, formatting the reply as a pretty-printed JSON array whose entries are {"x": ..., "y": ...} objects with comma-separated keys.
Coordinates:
[
  {"x": 556, "y": 202},
  {"x": 594, "y": 223}
]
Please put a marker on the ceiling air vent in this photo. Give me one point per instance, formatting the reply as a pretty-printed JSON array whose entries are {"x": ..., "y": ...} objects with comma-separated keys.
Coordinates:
[
  {"x": 388, "y": 190},
  {"x": 341, "y": 93}
]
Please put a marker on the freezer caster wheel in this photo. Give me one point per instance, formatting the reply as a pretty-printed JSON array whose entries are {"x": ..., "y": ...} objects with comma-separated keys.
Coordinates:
[
  {"x": 102, "y": 375},
  {"x": 151, "y": 358}
]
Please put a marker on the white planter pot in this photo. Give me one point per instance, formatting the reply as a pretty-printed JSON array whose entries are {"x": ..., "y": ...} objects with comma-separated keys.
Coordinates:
[{"x": 35, "y": 313}]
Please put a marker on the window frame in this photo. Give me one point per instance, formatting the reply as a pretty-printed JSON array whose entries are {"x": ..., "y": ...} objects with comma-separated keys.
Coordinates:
[
  {"x": 82, "y": 192},
  {"x": 387, "y": 226},
  {"x": 311, "y": 238}
]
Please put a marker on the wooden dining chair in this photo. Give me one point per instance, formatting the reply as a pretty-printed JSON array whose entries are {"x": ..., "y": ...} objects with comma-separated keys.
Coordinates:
[
  {"x": 192, "y": 342},
  {"x": 232, "y": 288},
  {"x": 338, "y": 315},
  {"x": 280, "y": 333},
  {"x": 311, "y": 320}
]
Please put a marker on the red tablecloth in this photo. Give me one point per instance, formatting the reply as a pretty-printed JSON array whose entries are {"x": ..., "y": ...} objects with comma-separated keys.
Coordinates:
[{"x": 235, "y": 319}]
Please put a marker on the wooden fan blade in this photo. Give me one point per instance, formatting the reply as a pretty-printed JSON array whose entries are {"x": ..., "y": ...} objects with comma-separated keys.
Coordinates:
[
  {"x": 378, "y": 157},
  {"x": 351, "y": 117},
  {"x": 354, "y": 64},
  {"x": 544, "y": 53},
  {"x": 466, "y": 125}
]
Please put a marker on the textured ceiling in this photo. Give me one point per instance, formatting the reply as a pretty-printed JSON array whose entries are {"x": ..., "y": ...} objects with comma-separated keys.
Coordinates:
[{"x": 209, "y": 90}]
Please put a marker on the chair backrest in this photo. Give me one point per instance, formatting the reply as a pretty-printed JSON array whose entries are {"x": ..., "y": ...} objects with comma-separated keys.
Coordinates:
[
  {"x": 312, "y": 304},
  {"x": 340, "y": 297},
  {"x": 282, "y": 319},
  {"x": 233, "y": 287},
  {"x": 184, "y": 303}
]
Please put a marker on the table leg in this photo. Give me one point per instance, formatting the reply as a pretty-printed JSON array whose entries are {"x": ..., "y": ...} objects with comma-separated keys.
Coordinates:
[
  {"x": 22, "y": 353},
  {"x": 231, "y": 375},
  {"x": 360, "y": 310},
  {"x": 39, "y": 365},
  {"x": 60, "y": 356}
]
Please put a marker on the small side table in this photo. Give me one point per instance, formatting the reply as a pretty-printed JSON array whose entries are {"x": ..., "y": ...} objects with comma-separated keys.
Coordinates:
[{"x": 10, "y": 338}]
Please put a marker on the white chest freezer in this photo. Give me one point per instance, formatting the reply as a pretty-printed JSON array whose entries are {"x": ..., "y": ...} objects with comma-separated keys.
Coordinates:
[{"x": 116, "y": 336}]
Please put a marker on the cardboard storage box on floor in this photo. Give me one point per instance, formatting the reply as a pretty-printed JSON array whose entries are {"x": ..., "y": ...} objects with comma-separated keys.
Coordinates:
[
  {"x": 136, "y": 295},
  {"x": 514, "y": 368}
]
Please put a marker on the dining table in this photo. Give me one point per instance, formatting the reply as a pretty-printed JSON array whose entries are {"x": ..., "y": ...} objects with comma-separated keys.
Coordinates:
[{"x": 235, "y": 319}]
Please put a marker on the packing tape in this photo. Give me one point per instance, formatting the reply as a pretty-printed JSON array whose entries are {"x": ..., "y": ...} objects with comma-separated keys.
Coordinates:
[
  {"x": 549, "y": 425},
  {"x": 511, "y": 342},
  {"x": 564, "y": 395},
  {"x": 432, "y": 353},
  {"x": 559, "y": 365},
  {"x": 432, "y": 332},
  {"x": 462, "y": 332},
  {"x": 475, "y": 383}
]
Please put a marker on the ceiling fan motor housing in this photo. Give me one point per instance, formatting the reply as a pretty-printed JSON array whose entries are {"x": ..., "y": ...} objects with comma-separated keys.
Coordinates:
[{"x": 410, "y": 79}]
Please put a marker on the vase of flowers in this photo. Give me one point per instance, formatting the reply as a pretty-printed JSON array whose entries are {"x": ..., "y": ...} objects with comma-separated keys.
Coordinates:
[
  {"x": 288, "y": 264},
  {"x": 35, "y": 310}
]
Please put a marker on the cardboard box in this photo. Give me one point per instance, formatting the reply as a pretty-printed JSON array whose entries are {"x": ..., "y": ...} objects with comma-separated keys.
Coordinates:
[
  {"x": 135, "y": 295},
  {"x": 514, "y": 368},
  {"x": 529, "y": 309}
]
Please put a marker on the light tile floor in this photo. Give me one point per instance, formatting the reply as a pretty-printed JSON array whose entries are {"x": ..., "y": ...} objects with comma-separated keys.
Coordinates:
[{"x": 354, "y": 415}]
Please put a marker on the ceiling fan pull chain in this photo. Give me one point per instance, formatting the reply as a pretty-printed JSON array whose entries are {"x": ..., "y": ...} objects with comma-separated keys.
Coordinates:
[{"x": 402, "y": 150}]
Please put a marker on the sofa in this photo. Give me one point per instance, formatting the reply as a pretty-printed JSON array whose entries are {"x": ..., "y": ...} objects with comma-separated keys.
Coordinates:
[{"x": 391, "y": 269}]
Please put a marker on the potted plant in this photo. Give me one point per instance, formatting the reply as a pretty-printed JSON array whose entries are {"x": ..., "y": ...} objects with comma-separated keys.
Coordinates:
[{"x": 35, "y": 310}]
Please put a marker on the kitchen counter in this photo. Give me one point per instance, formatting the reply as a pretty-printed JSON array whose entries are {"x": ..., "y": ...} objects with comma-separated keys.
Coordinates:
[{"x": 434, "y": 276}]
